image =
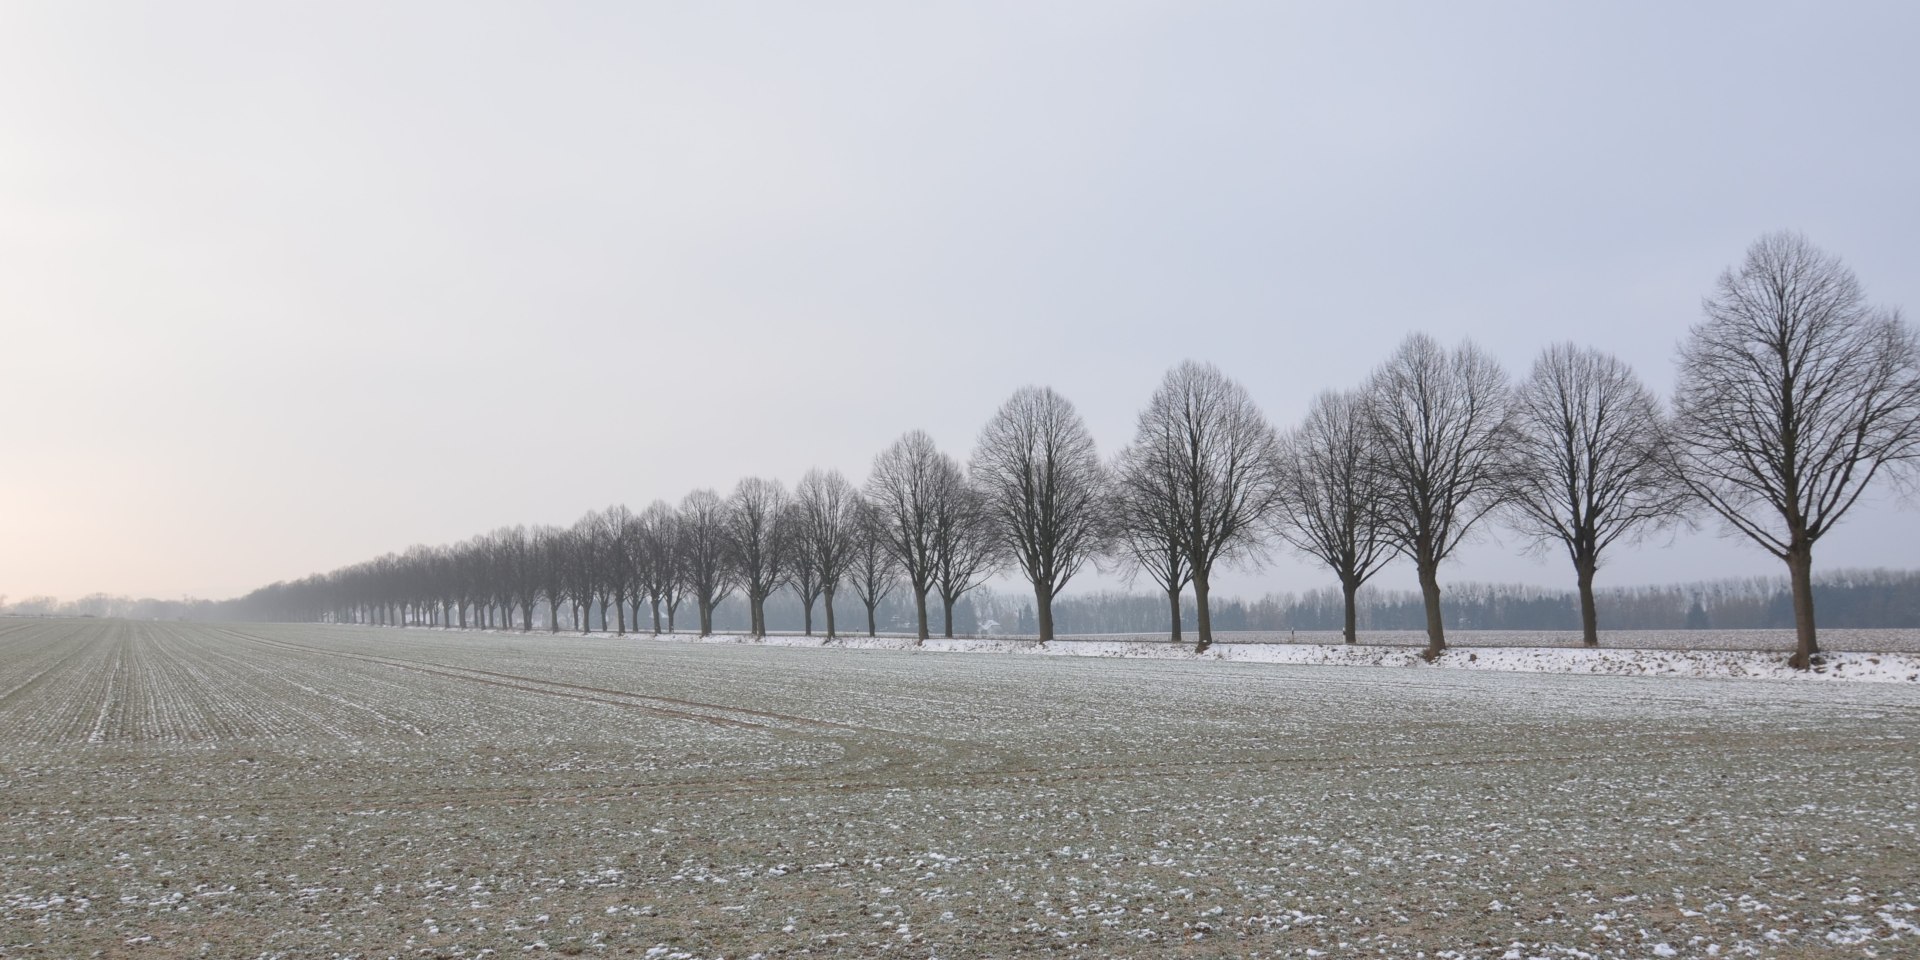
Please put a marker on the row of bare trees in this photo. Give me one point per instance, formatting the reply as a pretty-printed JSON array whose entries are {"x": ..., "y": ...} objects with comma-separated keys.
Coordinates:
[{"x": 1793, "y": 395}]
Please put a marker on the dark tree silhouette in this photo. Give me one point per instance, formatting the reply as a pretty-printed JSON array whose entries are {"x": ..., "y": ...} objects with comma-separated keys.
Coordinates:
[
  {"x": 1794, "y": 396},
  {"x": 705, "y": 562},
  {"x": 552, "y": 557},
  {"x": 1148, "y": 538},
  {"x": 872, "y": 570},
  {"x": 1592, "y": 464},
  {"x": 657, "y": 561},
  {"x": 824, "y": 537},
  {"x": 1046, "y": 492},
  {"x": 756, "y": 535},
  {"x": 1205, "y": 458},
  {"x": 1334, "y": 508},
  {"x": 1444, "y": 428},
  {"x": 586, "y": 567},
  {"x": 909, "y": 480},
  {"x": 966, "y": 552}
]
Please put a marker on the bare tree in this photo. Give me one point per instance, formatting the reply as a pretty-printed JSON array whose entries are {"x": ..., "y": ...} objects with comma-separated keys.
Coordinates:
[
  {"x": 756, "y": 535},
  {"x": 521, "y": 558},
  {"x": 1046, "y": 491},
  {"x": 620, "y": 530},
  {"x": 1205, "y": 457},
  {"x": 1334, "y": 508},
  {"x": 587, "y": 542},
  {"x": 803, "y": 571},
  {"x": 551, "y": 555},
  {"x": 1794, "y": 395},
  {"x": 1444, "y": 428},
  {"x": 871, "y": 570},
  {"x": 657, "y": 561},
  {"x": 1147, "y": 533},
  {"x": 825, "y": 536},
  {"x": 966, "y": 550},
  {"x": 705, "y": 562},
  {"x": 1591, "y": 462},
  {"x": 908, "y": 480}
]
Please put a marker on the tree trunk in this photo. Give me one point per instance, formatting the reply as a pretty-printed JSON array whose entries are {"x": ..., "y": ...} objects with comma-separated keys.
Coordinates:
[
  {"x": 1203, "y": 628},
  {"x": 1350, "y": 591},
  {"x": 553, "y": 615},
  {"x": 1043, "y": 610},
  {"x": 946, "y": 608},
  {"x": 619, "y": 616},
  {"x": 809, "y": 616},
  {"x": 706, "y": 618},
  {"x": 1436, "y": 624},
  {"x": 872, "y": 628},
  {"x": 656, "y": 616},
  {"x": 1589, "y": 615},
  {"x": 829, "y": 599},
  {"x": 920, "y": 607},
  {"x": 1173, "y": 601},
  {"x": 1800, "y": 569}
]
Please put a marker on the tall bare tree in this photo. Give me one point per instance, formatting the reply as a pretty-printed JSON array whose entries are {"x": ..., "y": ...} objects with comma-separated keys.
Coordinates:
[
  {"x": 518, "y": 558},
  {"x": 1147, "y": 536},
  {"x": 587, "y": 543},
  {"x": 1445, "y": 431},
  {"x": 1334, "y": 508},
  {"x": 657, "y": 561},
  {"x": 706, "y": 564},
  {"x": 803, "y": 570},
  {"x": 756, "y": 533},
  {"x": 905, "y": 489},
  {"x": 618, "y": 577},
  {"x": 966, "y": 550},
  {"x": 871, "y": 570},
  {"x": 825, "y": 536},
  {"x": 1205, "y": 457},
  {"x": 551, "y": 555},
  {"x": 1591, "y": 462},
  {"x": 1046, "y": 491},
  {"x": 1794, "y": 395}
]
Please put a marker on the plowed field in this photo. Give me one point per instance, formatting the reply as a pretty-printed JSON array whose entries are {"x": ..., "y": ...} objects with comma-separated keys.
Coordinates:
[{"x": 237, "y": 791}]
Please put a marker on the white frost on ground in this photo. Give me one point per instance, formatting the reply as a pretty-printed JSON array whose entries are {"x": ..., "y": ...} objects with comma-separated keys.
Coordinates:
[{"x": 1614, "y": 661}]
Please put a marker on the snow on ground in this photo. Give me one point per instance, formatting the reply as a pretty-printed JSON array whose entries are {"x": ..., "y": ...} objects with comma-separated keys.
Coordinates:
[
  {"x": 1746, "y": 664},
  {"x": 292, "y": 791}
]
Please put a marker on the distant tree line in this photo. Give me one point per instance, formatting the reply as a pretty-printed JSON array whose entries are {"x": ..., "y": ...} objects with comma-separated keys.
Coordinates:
[
  {"x": 1794, "y": 395},
  {"x": 1846, "y": 598}
]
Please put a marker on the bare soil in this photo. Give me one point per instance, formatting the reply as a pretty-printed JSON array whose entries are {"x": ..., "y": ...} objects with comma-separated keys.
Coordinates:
[{"x": 175, "y": 790}]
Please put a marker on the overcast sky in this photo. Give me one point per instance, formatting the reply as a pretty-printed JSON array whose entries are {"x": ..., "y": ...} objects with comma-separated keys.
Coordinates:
[{"x": 283, "y": 286}]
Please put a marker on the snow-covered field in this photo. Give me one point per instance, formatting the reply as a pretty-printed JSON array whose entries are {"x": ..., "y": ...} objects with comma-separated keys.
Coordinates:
[
  {"x": 1662, "y": 656},
  {"x": 185, "y": 790},
  {"x": 1837, "y": 639}
]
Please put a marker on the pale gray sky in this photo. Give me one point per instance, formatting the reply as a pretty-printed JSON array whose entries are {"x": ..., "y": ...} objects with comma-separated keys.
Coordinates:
[{"x": 284, "y": 286}]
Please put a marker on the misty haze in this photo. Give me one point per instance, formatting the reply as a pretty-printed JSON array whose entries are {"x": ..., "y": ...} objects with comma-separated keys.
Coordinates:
[{"x": 696, "y": 481}]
